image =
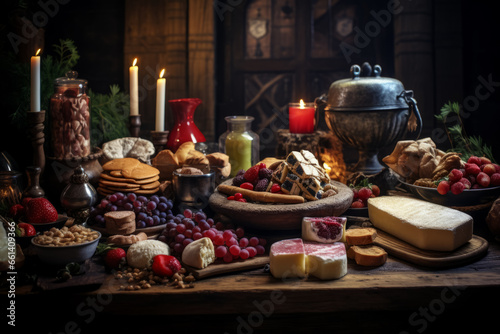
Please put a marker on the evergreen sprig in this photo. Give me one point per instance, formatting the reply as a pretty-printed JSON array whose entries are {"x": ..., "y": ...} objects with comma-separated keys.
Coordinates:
[{"x": 460, "y": 142}]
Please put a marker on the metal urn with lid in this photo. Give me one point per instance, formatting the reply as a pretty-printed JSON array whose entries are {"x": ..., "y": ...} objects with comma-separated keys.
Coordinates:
[
  {"x": 369, "y": 112},
  {"x": 78, "y": 196}
]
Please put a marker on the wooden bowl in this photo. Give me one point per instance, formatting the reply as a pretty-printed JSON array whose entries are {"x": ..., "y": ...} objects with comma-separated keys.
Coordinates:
[{"x": 280, "y": 216}]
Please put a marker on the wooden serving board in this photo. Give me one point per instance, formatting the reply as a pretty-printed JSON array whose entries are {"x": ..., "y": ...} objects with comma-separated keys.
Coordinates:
[
  {"x": 219, "y": 267},
  {"x": 471, "y": 251}
]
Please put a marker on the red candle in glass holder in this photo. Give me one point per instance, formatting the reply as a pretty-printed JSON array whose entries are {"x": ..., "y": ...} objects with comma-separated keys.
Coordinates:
[{"x": 301, "y": 117}]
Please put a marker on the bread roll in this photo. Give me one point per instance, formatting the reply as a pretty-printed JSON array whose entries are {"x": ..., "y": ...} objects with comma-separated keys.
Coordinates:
[
  {"x": 199, "y": 253},
  {"x": 183, "y": 150},
  {"x": 120, "y": 222}
]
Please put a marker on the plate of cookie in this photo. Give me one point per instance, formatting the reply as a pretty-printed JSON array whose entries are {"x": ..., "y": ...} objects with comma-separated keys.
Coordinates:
[{"x": 128, "y": 175}]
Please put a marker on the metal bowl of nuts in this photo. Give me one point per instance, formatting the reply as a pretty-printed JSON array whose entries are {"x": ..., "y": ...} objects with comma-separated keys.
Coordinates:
[{"x": 59, "y": 247}]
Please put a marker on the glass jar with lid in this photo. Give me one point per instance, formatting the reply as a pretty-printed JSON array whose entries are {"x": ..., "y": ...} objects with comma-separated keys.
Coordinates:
[
  {"x": 240, "y": 143},
  {"x": 70, "y": 118}
]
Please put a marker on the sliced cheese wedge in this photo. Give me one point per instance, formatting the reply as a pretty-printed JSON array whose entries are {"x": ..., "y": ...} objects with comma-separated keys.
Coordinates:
[
  {"x": 287, "y": 258},
  {"x": 422, "y": 224},
  {"x": 326, "y": 261}
]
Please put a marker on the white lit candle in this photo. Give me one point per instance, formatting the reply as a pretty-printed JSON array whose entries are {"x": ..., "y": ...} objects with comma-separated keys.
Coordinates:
[
  {"x": 35, "y": 82},
  {"x": 134, "y": 88},
  {"x": 160, "y": 102}
]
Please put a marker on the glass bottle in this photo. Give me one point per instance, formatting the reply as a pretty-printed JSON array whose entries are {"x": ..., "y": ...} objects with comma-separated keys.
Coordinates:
[
  {"x": 70, "y": 118},
  {"x": 10, "y": 188},
  {"x": 240, "y": 143}
]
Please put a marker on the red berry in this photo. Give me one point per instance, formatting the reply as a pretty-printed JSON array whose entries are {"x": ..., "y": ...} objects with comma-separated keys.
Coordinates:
[
  {"x": 489, "y": 169},
  {"x": 252, "y": 174},
  {"x": 465, "y": 182},
  {"x": 455, "y": 175},
  {"x": 242, "y": 200},
  {"x": 275, "y": 188},
  {"x": 238, "y": 196},
  {"x": 485, "y": 161},
  {"x": 247, "y": 185},
  {"x": 472, "y": 179},
  {"x": 357, "y": 204},
  {"x": 40, "y": 211},
  {"x": 231, "y": 198},
  {"x": 474, "y": 160},
  {"x": 375, "y": 190},
  {"x": 262, "y": 165},
  {"x": 483, "y": 179},
  {"x": 443, "y": 187},
  {"x": 495, "y": 180},
  {"x": 457, "y": 188},
  {"x": 497, "y": 168},
  {"x": 114, "y": 257},
  {"x": 16, "y": 211},
  {"x": 472, "y": 169},
  {"x": 355, "y": 193},
  {"x": 364, "y": 193}
]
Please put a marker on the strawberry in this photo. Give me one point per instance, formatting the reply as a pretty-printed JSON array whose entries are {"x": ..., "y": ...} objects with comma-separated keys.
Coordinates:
[
  {"x": 252, "y": 173},
  {"x": 114, "y": 257},
  {"x": 26, "y": 230},
  {"x": 16, "y": 211},
  {"x": 40, "y": 211},
  {"x": 165, "y": 265}
]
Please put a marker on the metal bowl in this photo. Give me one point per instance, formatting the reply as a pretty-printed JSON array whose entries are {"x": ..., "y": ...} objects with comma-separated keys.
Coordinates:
[
  {"x": 193, "y": 191},
  {"x": 62, "y": 255},
  {"x": 468, "y": 197}
]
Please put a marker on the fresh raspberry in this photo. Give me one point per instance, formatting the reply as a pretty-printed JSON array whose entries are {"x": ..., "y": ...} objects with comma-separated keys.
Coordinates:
[
  {"x": 483, "y": 179},
  {"x": 275, "y": 188},
  {"x": 495, "y": 180},
  {"x": 238, "y": 196},
  {"x": 455, "y": 175},
  {"x": 474, "y": 160},
  {"x": 443, "y": 187},
  {"x": 265, "y": 173},
  {"x": 262, "y": 165},
  {"x": 261, "y": 185},
  {"x": 247, "y": 185},
  {"x": 252, "y": 174},
  {"x": 364, "y": 193},
  {"x": 457, "y": 188},
  {"x": 472, "y": 169}
]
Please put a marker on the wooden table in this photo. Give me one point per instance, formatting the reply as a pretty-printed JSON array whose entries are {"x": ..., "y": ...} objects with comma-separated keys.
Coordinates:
[{"x": 397, "y": 297}]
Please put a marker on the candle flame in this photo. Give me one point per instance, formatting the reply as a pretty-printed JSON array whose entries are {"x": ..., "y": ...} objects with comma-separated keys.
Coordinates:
[
  {"x": 38, "y": 52},
  {"x": 302, "y": 104},
  {"x": 135, "y": 62},
  {"x": 161, "y": 73},
  {"x": 326, "y": 167}
]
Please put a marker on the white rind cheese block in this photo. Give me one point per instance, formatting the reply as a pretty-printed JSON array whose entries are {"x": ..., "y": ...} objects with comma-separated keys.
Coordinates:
[
  {"x": 422, "y": 224},
  {"x": 295, "y": 258},
  {"x": 326, "y": 261},
  {"x": 287, "y": 258}
]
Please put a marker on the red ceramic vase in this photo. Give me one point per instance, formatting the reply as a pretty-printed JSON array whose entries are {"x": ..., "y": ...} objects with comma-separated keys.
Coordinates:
[{"x": 184, "y": 127}]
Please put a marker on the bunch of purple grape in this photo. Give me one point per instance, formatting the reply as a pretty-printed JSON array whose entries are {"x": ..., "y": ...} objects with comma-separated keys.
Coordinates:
[
  {"x": 149, "y": 211},
  {"x": 229, "y": 244}
]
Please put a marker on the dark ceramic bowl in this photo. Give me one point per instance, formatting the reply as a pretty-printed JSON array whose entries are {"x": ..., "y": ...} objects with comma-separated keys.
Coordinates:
[
  {"x": 469, "y": 197},
  {"x": 24, "y": 241},
  {"x": 61, "y": 220}
]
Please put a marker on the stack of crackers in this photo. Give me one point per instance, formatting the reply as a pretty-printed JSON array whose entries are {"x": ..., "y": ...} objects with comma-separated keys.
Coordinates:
[{"x": 128, "y": 175}]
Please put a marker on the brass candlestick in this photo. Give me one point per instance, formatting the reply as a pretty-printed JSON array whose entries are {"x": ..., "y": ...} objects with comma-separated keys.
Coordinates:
[
  {"x": 134, "y": 125},
  {"x": 35, "y": 130},
  {"x": 159, "y": 139}
]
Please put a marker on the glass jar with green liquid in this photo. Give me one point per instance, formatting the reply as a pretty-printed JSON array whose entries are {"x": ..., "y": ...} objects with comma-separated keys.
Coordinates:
[{"x": 240, "y": 143}]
